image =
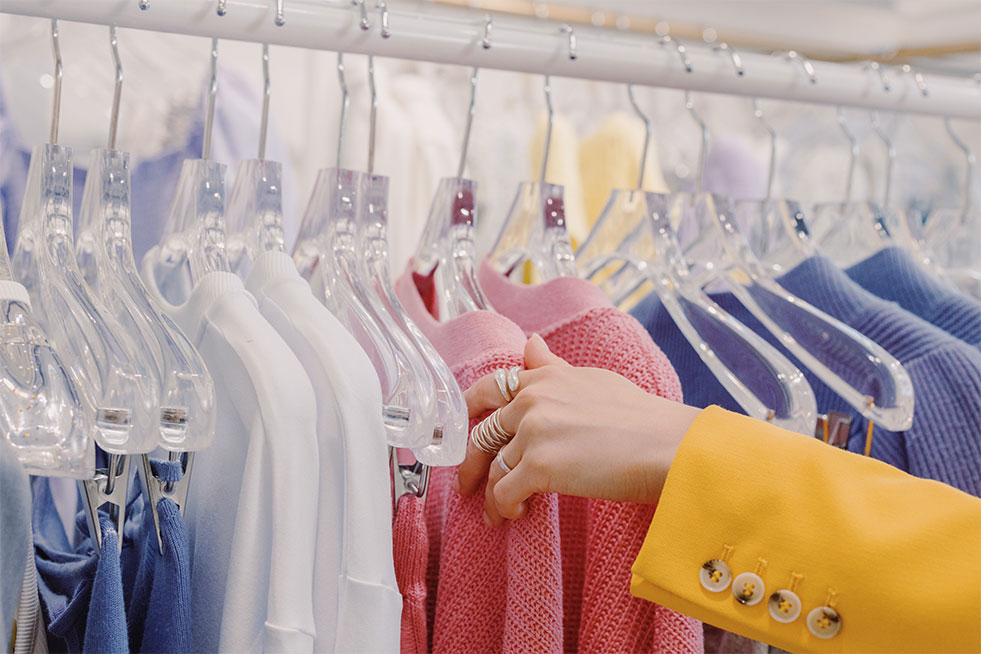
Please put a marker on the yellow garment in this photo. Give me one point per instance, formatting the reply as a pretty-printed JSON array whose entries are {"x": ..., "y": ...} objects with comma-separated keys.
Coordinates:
[
  {"x": 898, "y": 557},
  {"x": 563, "y": 168},
  {"x": 610, "y": 159}
]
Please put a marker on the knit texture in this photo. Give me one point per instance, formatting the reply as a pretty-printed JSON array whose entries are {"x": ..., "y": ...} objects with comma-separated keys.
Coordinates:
[
  {"x": 410, "y": 545},
  {"x": 600, "y": 539},
  {"x": 943, "y": 441},
  {"x": 893, "y": 274},
  {"x": 105, "y": 626},
  {"x": 490, "y": 589}
]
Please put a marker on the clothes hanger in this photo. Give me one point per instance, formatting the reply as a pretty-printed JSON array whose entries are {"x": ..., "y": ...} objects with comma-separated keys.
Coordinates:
[
  {"x": 446, "y": 250},
  {"x": 255, "y": 207},
  {"x": 115, "y": 383},
  {"x": 192, "y": 244},
  {"x": 327, "y": 253},
  {"x": 104, "y": 252},
  {"x": 534, "y": 230},
  {"x": 634, "y": 233},
  {"x": 717, "y": 251}
]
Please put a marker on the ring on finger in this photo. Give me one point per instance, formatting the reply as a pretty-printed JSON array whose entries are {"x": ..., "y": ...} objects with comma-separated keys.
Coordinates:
[
  {"x": 489, "y": 436},
  {"x": 501, "y": 462},
  {"x": 501, "y": 377},
  {"x": 513, "y": 381}
]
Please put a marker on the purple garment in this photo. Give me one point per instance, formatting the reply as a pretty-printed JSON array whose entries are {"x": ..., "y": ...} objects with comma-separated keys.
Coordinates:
[
  {"x": 943, "y": 442},
  {"x": 893, "y": 274}
]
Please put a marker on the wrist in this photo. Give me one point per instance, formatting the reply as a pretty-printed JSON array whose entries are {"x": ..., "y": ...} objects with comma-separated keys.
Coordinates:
[{"x": 671, "y": 423}]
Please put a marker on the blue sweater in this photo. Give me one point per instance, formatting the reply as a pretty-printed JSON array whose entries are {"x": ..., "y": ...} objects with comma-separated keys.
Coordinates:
[
  {"x": 942, "y": 444},
  {"x": 892, "y": 274}
]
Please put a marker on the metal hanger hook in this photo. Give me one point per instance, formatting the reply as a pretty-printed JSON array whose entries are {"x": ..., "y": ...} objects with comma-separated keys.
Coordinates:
[
  {"x": 488, "y": 31},
  {"x": 373, "y": 115},
  {"x": 681, "y": 50},
  {"x": 58, "y": 74},
  {"x": 737, "y": 61},
  {"x": 703, "y": 142},
  {"x": 906, "y": 69},
  {"x": 266, "y": 93},
  {"x": 364, "y": 23},
  {"x": 969, "y": 160},
  {"x": 222, "y": 7},
  {"x": 853, "y": 152},
  {"x": 470, "y": 114},
  {"x": 386, "y": 26},
  {"x": 568, "y": 29},
  {"x": 548, "y": 127},
  {"x": 212, "y": 92},
  {"x": 117, "y": 93},
  {"x": 881, "y": 133},
  {"x": 144, "y": 4},
  {"x": 280, "y": 19},
  {"x": 805, "y": 63},
  {"x": 648, "y": 128},
  {"x": 345, "y": 103}
]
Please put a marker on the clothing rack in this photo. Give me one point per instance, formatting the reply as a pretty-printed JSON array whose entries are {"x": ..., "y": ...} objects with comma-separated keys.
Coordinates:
[{"x": 449, "y": 35}]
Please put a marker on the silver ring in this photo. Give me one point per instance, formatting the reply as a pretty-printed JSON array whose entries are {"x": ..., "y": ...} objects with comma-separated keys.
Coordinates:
[
  {"x": 489, "y": 436},
  {"x": 501, "y": 377},
  {"x": 500, "y": 461},
  {"x": 513, "y": 381}
]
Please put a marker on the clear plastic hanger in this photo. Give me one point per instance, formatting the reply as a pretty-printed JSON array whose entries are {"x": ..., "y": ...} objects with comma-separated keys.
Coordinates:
[
  {"x": 255, "y": 207},
  {"x": 447, "y": 250},
  {"x": 717, "y": 251},
  {"x": 638, "y": 224},
  {"x": 105, "y": 256},
  {"x": 193, "y": 241},
  {"x": 116, "y": 383},
  {"x": 328, "y": 253},
  {"x": 534, "y": 230}
]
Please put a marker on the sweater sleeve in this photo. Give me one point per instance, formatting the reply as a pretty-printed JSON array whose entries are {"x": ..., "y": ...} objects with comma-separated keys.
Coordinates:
[{"x": 877, "y": 560}]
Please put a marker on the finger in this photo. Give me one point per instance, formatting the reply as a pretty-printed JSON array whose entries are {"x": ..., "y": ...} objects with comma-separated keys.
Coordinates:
[
  {"x": 471, "y": 472},
  {"x": 485, "y": 395},
  {"x": 494, "y": 475},
  {"x": 508, "y": 497},
  {"x": 537, "y": 354}
]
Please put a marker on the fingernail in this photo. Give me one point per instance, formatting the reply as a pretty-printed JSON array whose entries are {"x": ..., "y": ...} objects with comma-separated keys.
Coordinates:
[
  {"x": 487, "y": 520},
  {"x": 522, "y": 508},
  {"x": 541, "y": 340},
  {"x": 456, "y": 484}
]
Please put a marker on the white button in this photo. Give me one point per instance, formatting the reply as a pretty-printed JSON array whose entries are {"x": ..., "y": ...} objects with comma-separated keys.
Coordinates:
[
  {"x": 824, "y": 622},
  {"x": 715, "y": 575},
  {"x": 784, "y": 606},
  {"x": 748, "y": 588}
]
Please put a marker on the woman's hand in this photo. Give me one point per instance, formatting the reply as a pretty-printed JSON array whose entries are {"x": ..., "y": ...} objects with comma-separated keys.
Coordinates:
[{"x": 578, "y": 431}]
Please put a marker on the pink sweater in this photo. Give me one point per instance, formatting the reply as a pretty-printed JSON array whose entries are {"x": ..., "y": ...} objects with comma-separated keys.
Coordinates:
[
  {"x": 490, "y": 590},
  {"x": 411, "y": 550},
  {"x": 600, "y": 539}
]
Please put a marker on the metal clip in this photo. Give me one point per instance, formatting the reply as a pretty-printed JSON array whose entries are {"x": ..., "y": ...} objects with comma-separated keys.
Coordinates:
[
  {"x": 155, "y": 489},
  {"x": 109, "y": 485},
  {"x": 407, "y": 478}
]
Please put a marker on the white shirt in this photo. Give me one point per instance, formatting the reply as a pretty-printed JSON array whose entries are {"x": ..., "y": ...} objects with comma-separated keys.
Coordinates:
[
  {"x": 251, "y": 509},
  {"x": 357, "y": 605}
]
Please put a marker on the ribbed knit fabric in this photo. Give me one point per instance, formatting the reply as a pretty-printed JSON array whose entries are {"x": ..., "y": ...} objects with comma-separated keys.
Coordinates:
[
  {"x": 410, "y": 540},
  {"x": 490, "y": 589},
  {"x": 943, "y": 442},
  {"x": 600, "y": 539},
  {"x": 893, "y": 274},
  {"x": 105, "y": 626}
]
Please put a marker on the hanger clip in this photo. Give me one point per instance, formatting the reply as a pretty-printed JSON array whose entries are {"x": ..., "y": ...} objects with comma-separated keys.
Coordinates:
[
  {"x": 109, "y": 485},
  {"x": 407, "y": 478},
  {"x": 833, "y": 428},
  {"x": 165, "y": 479}
]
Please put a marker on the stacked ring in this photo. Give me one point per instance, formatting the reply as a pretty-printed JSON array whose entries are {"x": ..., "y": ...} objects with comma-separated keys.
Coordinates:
[
  {"x": 489, "y": 436},
  {"x": 507, "y": 382},
  {"x": 501, "y": 462}
]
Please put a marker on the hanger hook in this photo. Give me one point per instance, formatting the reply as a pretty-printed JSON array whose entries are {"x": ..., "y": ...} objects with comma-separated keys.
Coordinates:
[
  {"x": 488, "y": 31},
  {"x": 703, "y": 144},
  {"x": 144, "y": 4},
  {"x": 222, "y": 7},
  {"x": 470, "y": 114},
  {"x": 548, "y": 127},
  {"x": 280, "y": 14},
  {"x": 345, "y": 103},
  {"x": 59, "y": 70},
  {"x": 881, "y": 133},
  {"x": 737, "y": 61},
  {"x": 386, "y": 27},
  {"x": 118, "y": 90},
  {"x": 680, "y": 49},
  {"x": 805, "y": 63},
  {"x": 373, "y": 116},
  {"x": 266, "y": 92},
  {"x": 853, "y": 152},
  {"x": 364, "y": 23},
  {"x": 647, "y": 135},
  {"x": 568, "y": 29},
  {"x": 969, "y": 159},
  {"x": 212, "y": 92},
  {"x": 917, "y": 77}
]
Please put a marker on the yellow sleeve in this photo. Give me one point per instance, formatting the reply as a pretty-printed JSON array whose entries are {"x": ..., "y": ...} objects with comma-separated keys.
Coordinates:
[{"x": 897, "y": 559}]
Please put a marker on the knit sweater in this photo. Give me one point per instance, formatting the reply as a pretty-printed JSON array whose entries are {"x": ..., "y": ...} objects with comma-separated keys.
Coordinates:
[
  {"x": 410, "y": 544},
  {"x": 894, "y": 275},
  {"x": 490, "y": 590},
  {"x": 600, "y": 539},
  {"x": 942, "y": 443}
]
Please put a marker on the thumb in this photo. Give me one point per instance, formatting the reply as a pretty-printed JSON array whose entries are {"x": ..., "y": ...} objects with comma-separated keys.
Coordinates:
[{"x": 537, "y": 354}]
